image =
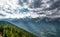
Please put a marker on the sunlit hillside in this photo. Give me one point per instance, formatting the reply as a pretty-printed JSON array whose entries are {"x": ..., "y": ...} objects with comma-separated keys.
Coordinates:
[{"x": 9, "y": 30}]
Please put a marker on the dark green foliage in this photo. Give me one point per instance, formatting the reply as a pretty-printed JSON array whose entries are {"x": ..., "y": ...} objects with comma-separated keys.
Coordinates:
[{"x": 9, "y": 30}]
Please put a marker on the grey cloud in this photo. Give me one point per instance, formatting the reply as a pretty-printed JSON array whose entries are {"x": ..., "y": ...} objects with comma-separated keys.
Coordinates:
[
  {"x": 2, "y": 15},
  {"x": 54, "y": 5},
  {"x": 20, "y": 3},
  {"x": 36, "y": 4}
]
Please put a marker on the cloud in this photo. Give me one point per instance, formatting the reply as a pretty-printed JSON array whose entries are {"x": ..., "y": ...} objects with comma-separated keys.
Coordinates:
[
  {"x": 54, "y": 5},
  {"x": 12, "y": 9}
]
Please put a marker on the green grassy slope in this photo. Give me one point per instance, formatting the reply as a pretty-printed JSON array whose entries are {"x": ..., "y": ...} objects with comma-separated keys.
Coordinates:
[{"x": 9, "y": 30}]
